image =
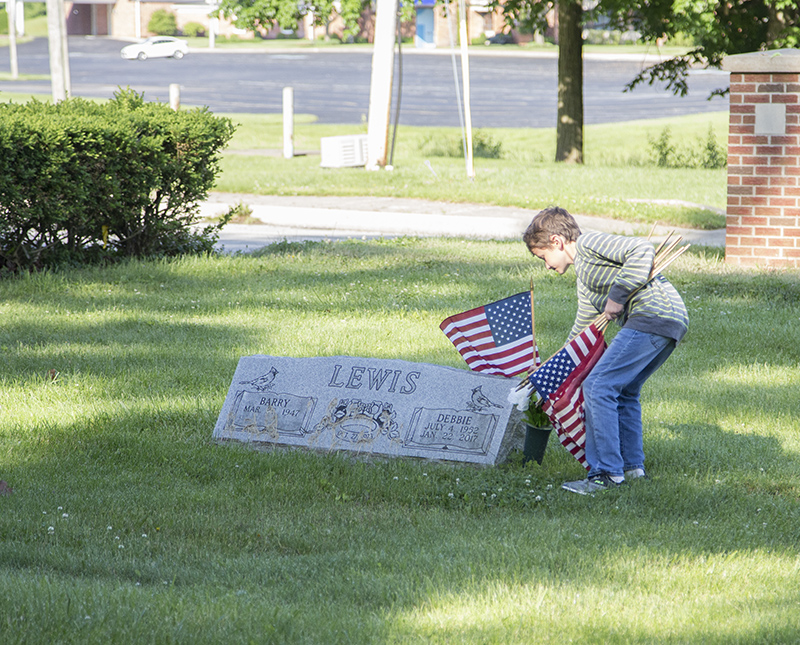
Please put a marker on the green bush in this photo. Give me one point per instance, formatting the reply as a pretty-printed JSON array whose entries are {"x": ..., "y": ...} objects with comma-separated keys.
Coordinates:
[
  {"x": 82, "y": 182},
  {"x": 163, "y": 23},
  {"x": 702, "y": 153},
  {"x": 193, "y": 30}
]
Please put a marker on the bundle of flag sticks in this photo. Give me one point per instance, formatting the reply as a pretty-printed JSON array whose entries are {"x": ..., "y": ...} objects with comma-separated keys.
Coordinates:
[{"x": 666, "y": 253}]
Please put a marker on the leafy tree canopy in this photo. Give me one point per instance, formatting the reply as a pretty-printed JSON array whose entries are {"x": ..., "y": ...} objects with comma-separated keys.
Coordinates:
[{"x": 716, "y": 27}]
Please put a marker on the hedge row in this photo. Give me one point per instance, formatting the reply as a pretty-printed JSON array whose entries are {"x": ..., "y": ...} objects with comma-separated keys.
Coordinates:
[{"x": 83, "y": 181}]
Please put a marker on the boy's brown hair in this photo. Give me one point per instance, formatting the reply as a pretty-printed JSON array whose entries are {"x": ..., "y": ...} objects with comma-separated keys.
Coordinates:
[{"x": 550, "y": 221}]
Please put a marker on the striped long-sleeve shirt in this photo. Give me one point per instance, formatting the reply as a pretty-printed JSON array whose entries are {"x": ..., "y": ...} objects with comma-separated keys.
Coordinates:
[{"x": 613, "y": 266}]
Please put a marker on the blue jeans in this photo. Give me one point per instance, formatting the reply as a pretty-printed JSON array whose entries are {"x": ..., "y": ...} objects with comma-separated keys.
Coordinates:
[{"x": 611, "y": 396}]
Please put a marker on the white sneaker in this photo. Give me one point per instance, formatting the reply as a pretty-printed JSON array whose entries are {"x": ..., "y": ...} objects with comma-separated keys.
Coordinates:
[{"x": 635, "y": 473}]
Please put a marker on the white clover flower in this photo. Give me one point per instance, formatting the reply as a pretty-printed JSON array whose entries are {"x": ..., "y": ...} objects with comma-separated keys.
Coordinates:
[
  {"x": 65, "y": 515},
  {"x": 121, "y": 546},
  {"x": 51, "y": 529},
  {"x": 538, "y": 498},
  {"x": 144, "y": 535},
  {"x": 450, "y": 495},
  {"x": 109, "y": 528}
]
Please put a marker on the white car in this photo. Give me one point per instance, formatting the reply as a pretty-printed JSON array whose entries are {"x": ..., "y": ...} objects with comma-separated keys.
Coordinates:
[{"x": 156, "y": 47}]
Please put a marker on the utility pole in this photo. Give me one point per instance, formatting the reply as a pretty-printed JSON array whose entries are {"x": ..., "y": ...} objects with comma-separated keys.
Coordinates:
[
  {"x": 380, "y": 87},
  {"x": 57, "y": 45}
]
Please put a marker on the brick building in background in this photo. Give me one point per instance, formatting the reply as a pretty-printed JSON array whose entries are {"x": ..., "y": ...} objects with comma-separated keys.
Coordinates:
[{"x": 763, "y": 216}]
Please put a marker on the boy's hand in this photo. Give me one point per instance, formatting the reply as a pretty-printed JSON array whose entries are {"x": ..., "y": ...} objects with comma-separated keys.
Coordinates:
[{"x": 613, "y": 309}]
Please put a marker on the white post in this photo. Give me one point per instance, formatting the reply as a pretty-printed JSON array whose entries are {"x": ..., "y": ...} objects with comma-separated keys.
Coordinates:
[
  {"x": 465, "y": 81},
  {"x": 175, "y": 96},
  {"x": 380, "y": 89},
  {"x": 20, "y": 18},
  {"x": 288, "y": 122},
  {"x": 62, "y": 12},
  {"x": 11, "y": 9},
  {"x": 137, "y": 19},
  {"x": 212, "y": 19},
  {"x": 58, "y": 74}
]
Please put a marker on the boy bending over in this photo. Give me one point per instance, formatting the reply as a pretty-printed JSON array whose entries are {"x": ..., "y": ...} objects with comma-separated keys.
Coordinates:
[{"x": 609, "y": 268}]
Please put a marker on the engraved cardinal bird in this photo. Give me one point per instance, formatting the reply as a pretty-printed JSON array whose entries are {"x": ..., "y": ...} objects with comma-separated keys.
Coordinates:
[
  {"x": 263, "y": 383},
  {"x": 479, "y": 401}
]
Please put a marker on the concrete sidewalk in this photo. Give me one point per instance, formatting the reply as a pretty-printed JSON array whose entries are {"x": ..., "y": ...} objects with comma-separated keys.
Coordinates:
[{"x": 299, "y": 218}]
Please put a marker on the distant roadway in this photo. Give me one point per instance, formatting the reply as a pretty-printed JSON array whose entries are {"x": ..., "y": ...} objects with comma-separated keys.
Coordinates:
[{"x": 508, "y": 88}]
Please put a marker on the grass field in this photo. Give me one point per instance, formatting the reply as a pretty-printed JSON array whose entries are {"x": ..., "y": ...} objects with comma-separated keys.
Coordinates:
[
  {"x": 619, "y": 178},
  {"x": 130, "y": 525}
]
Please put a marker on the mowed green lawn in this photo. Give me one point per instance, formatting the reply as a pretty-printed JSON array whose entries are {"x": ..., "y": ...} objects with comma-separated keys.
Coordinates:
[
  {"x": 619, "y": 178},
  {"x": 130, "y": 525}
]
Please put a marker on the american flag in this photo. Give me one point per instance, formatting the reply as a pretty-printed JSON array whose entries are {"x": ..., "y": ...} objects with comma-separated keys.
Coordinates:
[
  {"x": 496, "y": 338},
  {"x": 559, "y": 382}
]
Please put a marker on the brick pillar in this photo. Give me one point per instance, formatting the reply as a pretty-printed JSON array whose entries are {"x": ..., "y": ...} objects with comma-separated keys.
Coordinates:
[{"x": 763, "y": 216}]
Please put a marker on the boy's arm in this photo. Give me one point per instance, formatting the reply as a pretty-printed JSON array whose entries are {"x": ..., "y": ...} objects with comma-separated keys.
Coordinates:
[{"x": 586, "y": 313}]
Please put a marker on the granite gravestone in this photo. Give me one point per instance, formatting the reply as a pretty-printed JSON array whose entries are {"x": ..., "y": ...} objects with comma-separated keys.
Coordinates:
[{"x": 376, "y": 406}]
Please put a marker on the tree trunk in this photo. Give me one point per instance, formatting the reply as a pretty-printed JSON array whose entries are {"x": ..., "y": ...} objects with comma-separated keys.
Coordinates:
[{"x": 569, "y": 130}]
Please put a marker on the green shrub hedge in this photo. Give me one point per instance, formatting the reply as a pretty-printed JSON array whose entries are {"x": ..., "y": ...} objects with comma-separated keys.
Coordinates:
[{"x": 82, "y": 181}]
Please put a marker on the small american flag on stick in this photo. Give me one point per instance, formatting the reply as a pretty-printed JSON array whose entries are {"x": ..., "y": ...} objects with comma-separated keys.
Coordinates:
[
  {"x": 559, "y": 382},
  {"x": 496, "y": 338}
]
